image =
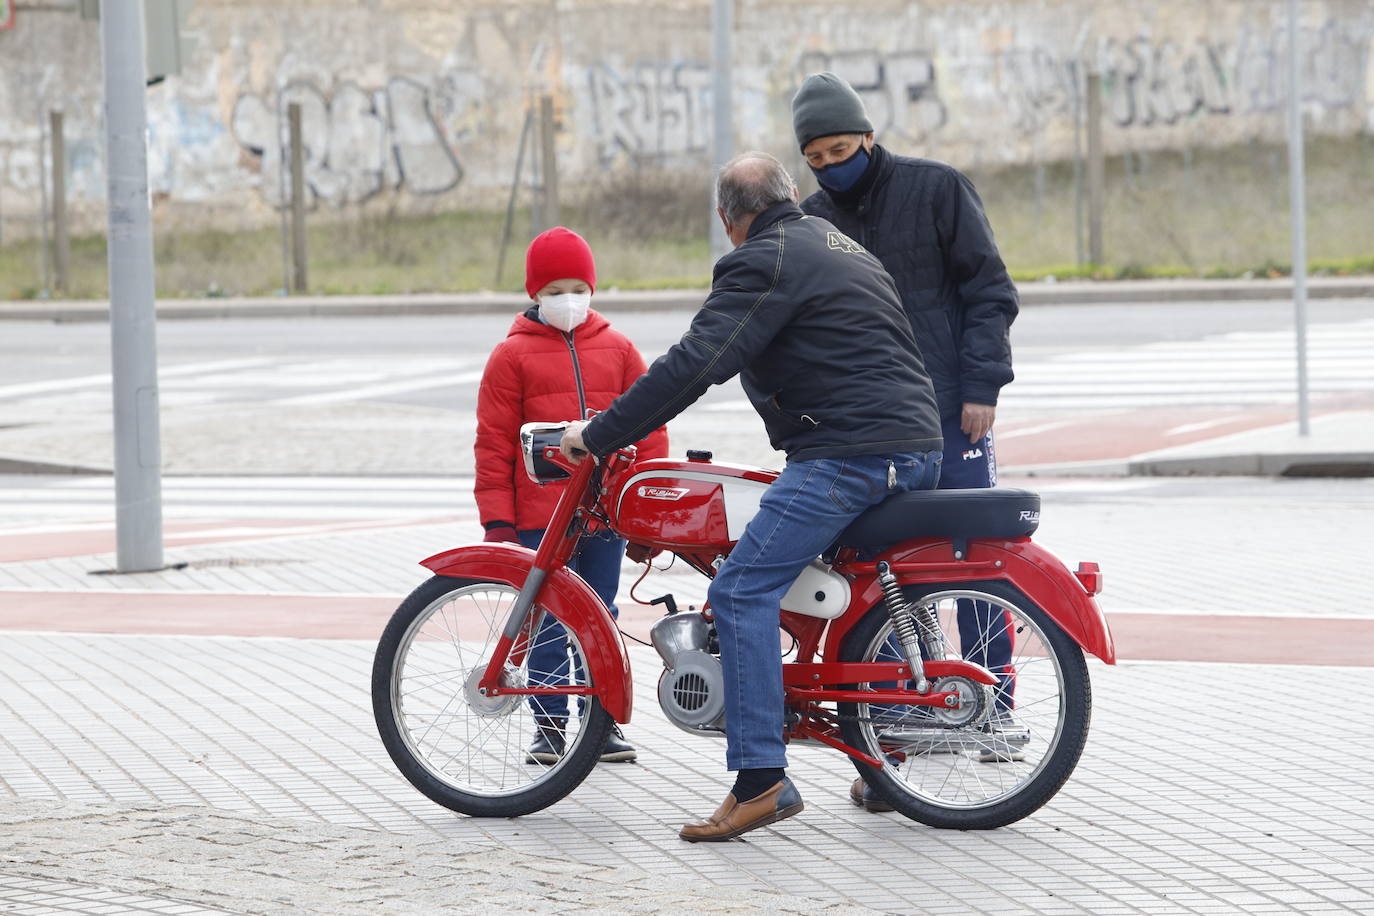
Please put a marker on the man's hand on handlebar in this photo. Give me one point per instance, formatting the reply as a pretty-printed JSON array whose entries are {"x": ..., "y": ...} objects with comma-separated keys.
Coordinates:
[{"x": 571, "y": 445}]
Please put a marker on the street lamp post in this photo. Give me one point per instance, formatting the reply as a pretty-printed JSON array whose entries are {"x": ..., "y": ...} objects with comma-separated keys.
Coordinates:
[
  {"x": 133, "y": 319},
  {"x": 722, "y": 106},
  {"x": 1297, "y": 206}
]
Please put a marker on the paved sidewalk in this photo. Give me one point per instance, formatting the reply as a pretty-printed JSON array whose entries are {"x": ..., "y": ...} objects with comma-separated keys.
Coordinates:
[
  {"x": 244, "y": 774},
  {"x": 192, "y": 859},
  {"x": 171, "y": 765},
  {"x": 1338, "y": 444}
]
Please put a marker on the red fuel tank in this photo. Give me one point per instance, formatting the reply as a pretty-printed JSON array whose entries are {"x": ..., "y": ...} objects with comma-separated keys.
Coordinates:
[{"x": 671, "y": 503}]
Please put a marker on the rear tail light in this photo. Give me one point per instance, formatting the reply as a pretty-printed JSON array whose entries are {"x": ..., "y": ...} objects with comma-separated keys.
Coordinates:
[{"x": 1090, "y": 575}]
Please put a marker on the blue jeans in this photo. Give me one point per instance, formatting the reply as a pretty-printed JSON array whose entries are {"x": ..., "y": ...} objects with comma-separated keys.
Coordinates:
[
  {"x": 597, "y": 560},
  {"x": 799, "y": 516},
  {"x": 984, "y": 632}
]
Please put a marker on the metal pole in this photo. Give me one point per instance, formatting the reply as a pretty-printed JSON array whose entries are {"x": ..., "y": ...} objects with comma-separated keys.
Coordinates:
[
  {"x": 133, "y": 319},
  {"x": 298, "y": 260},
  {"x": 1097, "y": 180},
  {"x": 537, "y": 221},
  {"x": 43, "y": 207},
  {"x": 283, "y": 205},
  {"x": 722, "y": 107},
  {"x": 510, "y": 202},
  {"x": 1297, "y": 208},
  {"x": 61, "y": 242},
  {"x": 549, "y": 169},
  {"x": 1079, "y": 254}
]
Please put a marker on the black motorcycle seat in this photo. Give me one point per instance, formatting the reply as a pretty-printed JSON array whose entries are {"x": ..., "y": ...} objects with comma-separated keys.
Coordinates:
[{"x": 999, "y": 512}]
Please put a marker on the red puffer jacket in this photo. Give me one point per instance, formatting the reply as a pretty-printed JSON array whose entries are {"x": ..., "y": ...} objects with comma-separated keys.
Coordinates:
[{"x": 536, "y": 375}]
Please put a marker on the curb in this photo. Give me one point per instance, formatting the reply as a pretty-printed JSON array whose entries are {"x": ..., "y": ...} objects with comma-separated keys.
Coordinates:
[
  {"x": 308, "y": 306},
  {"x": 344, "y": 306},
  {"x": 1297, "y": 464},
  {"x": 1255, "y": 464}
]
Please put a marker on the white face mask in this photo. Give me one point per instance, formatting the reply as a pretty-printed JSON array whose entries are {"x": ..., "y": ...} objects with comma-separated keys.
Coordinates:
[{"x": 565, "y": 311}]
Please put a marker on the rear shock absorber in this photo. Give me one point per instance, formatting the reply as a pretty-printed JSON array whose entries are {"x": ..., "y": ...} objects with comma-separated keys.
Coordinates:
[{"x": 905, "y": 623}]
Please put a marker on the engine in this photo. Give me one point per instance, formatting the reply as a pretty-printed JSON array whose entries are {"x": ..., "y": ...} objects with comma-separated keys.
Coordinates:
[{"x": 692, "y": 687}]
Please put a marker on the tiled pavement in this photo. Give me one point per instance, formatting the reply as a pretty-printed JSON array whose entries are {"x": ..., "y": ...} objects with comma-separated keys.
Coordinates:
[
  {"x": 136, "y": 765},
  {"x": 1198, "y": 802}
]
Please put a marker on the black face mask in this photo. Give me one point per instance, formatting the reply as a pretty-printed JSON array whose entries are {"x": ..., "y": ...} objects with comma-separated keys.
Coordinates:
[{"x": 841, "y": 176}]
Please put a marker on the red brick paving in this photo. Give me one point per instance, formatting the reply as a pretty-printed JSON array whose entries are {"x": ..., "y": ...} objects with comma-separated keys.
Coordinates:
[{"x": 1163, "y": 637}]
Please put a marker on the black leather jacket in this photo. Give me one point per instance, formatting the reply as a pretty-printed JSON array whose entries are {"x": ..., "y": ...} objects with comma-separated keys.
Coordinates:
[
  {"x": 814, "y": 327},
  {"x": 925, "y": 223}
]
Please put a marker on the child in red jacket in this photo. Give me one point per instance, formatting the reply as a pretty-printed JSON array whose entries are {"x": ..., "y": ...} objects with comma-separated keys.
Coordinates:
[{"x": 559, "y": 359}]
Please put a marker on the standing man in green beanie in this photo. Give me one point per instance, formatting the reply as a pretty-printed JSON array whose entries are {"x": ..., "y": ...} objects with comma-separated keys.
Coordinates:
[{"x": 924, "y": 221}]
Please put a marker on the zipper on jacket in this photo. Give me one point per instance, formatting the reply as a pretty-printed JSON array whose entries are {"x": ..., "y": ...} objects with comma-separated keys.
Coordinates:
[
  {"x": 868, "y": 233},
  {"x": 577, "y": 374}
]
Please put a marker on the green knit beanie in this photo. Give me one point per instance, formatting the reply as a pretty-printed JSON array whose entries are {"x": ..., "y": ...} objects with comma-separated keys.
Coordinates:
[{"x": 826, "y": 105}]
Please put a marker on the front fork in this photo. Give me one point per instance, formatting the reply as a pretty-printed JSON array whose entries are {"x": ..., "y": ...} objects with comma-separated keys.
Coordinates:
[
  {"x": 915, "y": 627},
  {"x": 554, "y": 551}
]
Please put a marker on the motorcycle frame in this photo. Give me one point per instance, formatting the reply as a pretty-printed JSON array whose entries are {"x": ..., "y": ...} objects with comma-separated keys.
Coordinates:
[{"x": 541, "y": 575}]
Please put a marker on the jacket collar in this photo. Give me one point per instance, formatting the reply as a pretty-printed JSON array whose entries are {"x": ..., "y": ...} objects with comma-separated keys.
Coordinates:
[
  {"x": 528, "y": 322},
  {"x": 773, "y": 215}
]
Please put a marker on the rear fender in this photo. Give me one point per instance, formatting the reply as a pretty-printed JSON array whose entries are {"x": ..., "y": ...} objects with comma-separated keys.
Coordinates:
[
  {"x": 568, "y": 598},
  {"x": 1034, "y": 570}
]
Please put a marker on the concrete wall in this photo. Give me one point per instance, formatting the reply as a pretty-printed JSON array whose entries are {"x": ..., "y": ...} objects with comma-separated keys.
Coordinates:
[{"x": 420, "y": 104}]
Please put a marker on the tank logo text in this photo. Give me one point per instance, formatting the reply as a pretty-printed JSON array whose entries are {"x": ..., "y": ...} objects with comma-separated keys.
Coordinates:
[{"x": 668, "y": 493}]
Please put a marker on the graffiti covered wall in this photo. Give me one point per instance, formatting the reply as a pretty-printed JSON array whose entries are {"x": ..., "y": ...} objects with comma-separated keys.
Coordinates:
[{"x": 421, "y": 103}]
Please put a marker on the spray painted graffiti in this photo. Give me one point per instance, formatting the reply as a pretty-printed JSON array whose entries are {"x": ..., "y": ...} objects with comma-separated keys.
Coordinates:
[
  {"x": 355, "y": 142},
  {"x": 1151, "y": 83},
  {"x": 898, "y": 88},
  {"x": 653, "y": 112}
]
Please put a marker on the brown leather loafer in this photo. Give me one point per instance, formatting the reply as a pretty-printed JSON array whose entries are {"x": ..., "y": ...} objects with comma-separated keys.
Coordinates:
[
  {"x": 864, "y": 797},
  {"x": 733, "y": 818}
]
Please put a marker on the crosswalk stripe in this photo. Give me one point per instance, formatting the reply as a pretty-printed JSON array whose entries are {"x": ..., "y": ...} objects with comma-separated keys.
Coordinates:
[
  {"x": 104, "y": 380},
  {"x": 1236, "y": 368},
  {"x": 373, "y": 391}
]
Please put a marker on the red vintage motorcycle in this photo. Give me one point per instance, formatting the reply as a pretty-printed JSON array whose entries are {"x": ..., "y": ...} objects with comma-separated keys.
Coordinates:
[{"x": 935, "y": 644}]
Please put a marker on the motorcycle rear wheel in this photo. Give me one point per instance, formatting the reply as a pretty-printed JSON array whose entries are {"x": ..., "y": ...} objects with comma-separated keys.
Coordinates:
[
  {"x": 461, "y": 749},
  {"x": 971, "y": 776}
]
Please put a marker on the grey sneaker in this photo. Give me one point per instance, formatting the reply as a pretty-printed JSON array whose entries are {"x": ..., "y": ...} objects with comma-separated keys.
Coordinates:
[
  {"x": 617, "y": 749},
  {"x": 1004, "y": 739}
]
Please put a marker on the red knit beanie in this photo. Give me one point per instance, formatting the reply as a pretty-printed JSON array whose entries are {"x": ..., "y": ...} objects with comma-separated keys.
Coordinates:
[{"x": 559, "y": 254}]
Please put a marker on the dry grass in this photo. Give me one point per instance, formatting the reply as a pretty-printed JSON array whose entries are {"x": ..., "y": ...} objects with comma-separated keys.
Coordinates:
[{"x": 1202, "y": 213}]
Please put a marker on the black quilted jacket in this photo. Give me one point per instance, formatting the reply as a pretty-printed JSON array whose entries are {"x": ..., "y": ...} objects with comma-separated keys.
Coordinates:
[
  {"x": 811, "y": 323},
  {"x": 925, "y": 223}
]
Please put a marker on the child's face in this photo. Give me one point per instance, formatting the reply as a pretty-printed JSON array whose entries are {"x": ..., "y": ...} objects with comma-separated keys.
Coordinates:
[{"x": 558, "y": 287}]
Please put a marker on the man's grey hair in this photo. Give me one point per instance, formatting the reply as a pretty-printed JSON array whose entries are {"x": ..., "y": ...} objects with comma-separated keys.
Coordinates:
[{"x": 751, "y": 183}]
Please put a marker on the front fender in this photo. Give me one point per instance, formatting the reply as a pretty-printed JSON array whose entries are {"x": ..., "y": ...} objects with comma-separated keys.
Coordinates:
[
  {"x": 1034, "y": 570},
  {"x": 569, "y": 599}
]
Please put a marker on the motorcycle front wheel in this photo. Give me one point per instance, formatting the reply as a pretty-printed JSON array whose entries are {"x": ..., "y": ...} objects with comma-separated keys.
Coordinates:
[
  {"x": 466, "y": 751},
  {"x": 1009, "y": 748}
]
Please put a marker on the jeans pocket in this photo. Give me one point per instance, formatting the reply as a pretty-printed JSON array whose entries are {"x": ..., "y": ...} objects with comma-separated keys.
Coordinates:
[
  {"x": 857, "y": 487},
  {"x": 920, "y": 471}
]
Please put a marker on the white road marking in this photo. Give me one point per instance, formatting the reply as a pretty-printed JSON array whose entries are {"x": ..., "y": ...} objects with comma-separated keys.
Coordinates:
[
  {"x": 86, "y": 381},
  {"x": 385, "y": 388},
  {"x": 999, "y": 436},
  {"x": 1197, "y": 427}
]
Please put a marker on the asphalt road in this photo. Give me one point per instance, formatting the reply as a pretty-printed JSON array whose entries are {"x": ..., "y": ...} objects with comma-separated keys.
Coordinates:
[{"x": 35, "y": 352}]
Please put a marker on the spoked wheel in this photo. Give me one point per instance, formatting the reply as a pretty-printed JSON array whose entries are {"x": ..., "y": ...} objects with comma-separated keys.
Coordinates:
[
  {"x": 1007, "y": 750},
  {"x": 466, "y": 751}
]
